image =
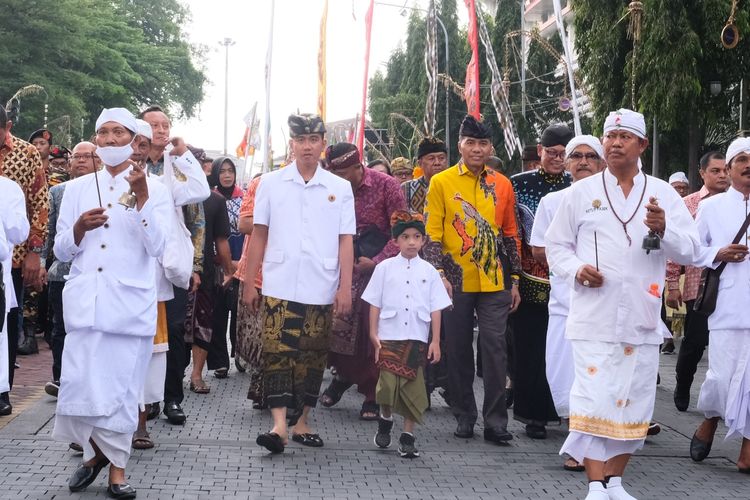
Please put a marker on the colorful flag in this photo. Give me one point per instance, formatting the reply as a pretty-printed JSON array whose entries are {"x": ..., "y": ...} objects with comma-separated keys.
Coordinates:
[
  {"x": 246, "y": 147},
  {"x": 471, "y": 88},
  {"x": 322, "y": 63},
  {"x": 368, "y": 34},
  {"x": 268, "y": 152}
]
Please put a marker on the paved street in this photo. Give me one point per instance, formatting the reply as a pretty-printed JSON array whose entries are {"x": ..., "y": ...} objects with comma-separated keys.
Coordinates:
[{"x": 214, "y": 455}]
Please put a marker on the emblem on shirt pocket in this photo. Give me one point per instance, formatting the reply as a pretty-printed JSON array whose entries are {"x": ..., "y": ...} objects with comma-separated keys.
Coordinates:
[
  {"x": 596, "y": 206},
  {"x": 596, "y": 203},
  {"x": 331, "y": 198}
]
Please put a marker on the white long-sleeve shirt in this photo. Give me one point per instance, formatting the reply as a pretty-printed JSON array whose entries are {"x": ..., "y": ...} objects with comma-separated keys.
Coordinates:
[
  {"x": 719, "y": 218},
  {"x": 111, "y": 286},
  {"x": 188, "y": 188},
  {"x": 627, "y": 307},
  {"x": 14, "y": 229}
]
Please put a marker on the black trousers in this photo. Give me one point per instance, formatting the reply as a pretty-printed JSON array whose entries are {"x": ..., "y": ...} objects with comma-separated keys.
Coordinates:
[
  {"x": 533, "y": 399},
  {"x": 54, "y": 294},
  {"x": 15, "y": 323},
  {"x": 692, "y": 347},
  {"x": 224, "y": 306},
  {"x": 492, "y": 313},
  {"x": 176, "y": 311}
]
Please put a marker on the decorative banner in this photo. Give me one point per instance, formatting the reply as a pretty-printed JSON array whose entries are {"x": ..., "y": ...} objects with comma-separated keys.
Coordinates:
[
  {"x": 471, "y": 88},
  {"x": 499, "y": 96},
  {"x": 322, "y": 63},
  {"x": 368, "y": 34},
  {"x": 431, "y": 65},
  {"x": 268, "y": 153}
]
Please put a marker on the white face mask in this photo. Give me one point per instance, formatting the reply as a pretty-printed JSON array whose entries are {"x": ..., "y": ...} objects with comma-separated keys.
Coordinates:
[{"x": 114, "y": 155}]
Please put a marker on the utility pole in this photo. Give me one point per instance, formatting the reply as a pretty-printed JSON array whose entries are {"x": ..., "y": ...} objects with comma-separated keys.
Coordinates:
[{"x": 227, "y": 42}]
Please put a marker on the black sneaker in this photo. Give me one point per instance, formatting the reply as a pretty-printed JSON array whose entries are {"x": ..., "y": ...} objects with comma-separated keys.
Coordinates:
[
  {"x": 383, "y": 437},
  {"x": 406, "y": 446}
]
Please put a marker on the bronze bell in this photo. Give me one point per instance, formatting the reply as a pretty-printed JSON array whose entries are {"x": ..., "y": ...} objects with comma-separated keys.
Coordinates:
[
  {"x": 651, "y": 242},
  {"x": 127, "y": 200}
]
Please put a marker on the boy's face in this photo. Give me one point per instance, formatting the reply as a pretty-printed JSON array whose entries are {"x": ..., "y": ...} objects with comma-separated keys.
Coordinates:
[{"x": 410, "y": 242}]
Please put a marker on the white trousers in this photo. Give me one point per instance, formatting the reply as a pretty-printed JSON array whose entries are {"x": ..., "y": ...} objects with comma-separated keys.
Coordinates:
[{"x": 559, "y": 364}]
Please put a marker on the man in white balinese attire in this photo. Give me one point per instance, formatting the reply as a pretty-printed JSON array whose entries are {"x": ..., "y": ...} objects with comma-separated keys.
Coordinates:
[
  {"x": 725, "y": 393},
  {"x": 14, "y": 229},
  {"x": 584, "y": 156},
  {"x": 594, "y": 243},
  {"x": 109, "y": 302},
  {"x": 188, "y": 185}
]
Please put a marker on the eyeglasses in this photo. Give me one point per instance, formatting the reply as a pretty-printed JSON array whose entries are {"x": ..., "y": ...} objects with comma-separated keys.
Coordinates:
[
  {"x": 86, "y": 156},
  {"x": 581, "y": 156},
  {"x": 553, "y": 154}
]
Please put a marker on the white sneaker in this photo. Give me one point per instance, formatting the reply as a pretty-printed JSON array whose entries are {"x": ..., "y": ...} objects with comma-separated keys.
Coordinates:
[
  {"x": 616, "y": 491},
  {"x": 597, "y": 491}
]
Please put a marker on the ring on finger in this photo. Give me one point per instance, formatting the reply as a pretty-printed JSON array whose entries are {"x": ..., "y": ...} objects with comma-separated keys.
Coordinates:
[{"x": 586, "y": 283}]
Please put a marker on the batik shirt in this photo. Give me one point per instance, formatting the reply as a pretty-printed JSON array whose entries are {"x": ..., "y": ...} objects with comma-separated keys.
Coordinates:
[
  {"x": 21, "y": 163},
  {"x": 195, "y": 217},
  {"x": 530, "y": 187},
  {"x": 415, "y": 192},
  {"x": 472, "y": 228}
]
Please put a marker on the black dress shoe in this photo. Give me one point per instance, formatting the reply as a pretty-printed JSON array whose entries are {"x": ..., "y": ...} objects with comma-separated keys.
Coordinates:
[
  {"x": 497, "y": 436},
  {"x": 174, "y": 413},
  {"x": 153, "y": 411},
  {"x": 84, "y": 476},
  {"x": 121, "y": 491},
  {"x": 5, "y": 408},
  {"x": 681, "y": 398},
  {"x": 464, "y": 430},
  {"x": 699, "y": 449},
  {"x": 536, "y": 431}
]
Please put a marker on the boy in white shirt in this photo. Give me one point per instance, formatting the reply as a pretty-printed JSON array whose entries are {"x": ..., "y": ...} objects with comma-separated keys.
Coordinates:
[{"x": 406, "y": 295}]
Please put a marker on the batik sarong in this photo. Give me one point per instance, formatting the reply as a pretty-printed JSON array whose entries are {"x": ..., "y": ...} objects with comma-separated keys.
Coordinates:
[{"x": 401, "y": 383}]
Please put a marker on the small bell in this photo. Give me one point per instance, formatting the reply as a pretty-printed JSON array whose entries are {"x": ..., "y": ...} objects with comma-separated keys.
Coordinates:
[
  {"x": 651, "y": 242},
  {"x": 127, "y": 200}
]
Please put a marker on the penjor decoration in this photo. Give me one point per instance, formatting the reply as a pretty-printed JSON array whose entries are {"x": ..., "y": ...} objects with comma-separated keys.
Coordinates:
[{"x": 730, "y": 35}]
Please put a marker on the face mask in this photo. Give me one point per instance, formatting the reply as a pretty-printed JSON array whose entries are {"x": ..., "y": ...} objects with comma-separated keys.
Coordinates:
[{"x": 114, "y": 155}]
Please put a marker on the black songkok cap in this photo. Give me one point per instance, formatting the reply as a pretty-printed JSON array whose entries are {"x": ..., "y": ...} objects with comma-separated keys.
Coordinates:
[
  {"x": 556, "y": 135},
  {"x": 305, "y": 124},
  {"x": 342, "y": 155},
  {"x": 430, "y": 145},
  {"x": 471, "y": 127},
  {"x": 530, "y": 153},
  {"x": 43, "y": 133}
]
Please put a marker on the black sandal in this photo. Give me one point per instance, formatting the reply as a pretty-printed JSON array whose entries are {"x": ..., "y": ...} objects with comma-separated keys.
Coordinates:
[
  {"x": 334, "y": 392},
  {"x": 369, "y": 407},
  {"x": 312, "y": 440},
  {"x": 271, "y": 441}
]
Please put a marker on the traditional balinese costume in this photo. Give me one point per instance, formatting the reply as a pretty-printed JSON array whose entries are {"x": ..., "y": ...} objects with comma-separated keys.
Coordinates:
[
  {"x": 615, "y": 330},
  {"x": 109, "y": 307},
  {"x": 726, "y": 391}
]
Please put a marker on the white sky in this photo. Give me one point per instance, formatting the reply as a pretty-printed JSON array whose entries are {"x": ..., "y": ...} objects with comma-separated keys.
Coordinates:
[{"x": 295, "y": 67}]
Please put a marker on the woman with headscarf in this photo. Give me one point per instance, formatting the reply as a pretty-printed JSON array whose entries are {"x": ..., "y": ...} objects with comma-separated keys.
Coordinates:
[{"x": 223, "y": 180}]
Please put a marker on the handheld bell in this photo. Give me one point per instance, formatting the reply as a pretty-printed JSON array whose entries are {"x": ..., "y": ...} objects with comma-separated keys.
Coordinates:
[
  {"x": 651, "y": 242},
  {"x": 127, "y": 200}
]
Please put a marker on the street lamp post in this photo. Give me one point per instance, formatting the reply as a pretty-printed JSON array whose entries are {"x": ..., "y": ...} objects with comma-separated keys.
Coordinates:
[
  {"x": 447, "y": 69},
  {"x": 227, "y": 42}
]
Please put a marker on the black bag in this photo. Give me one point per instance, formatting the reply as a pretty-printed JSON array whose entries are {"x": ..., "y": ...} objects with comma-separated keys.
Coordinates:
[
  {"x": 708, "y": 288},
  {"x": 369, "y": 242}
]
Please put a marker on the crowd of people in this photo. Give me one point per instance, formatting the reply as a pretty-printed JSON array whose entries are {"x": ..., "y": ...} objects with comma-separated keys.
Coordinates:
[{"x": 138, "y": 255}]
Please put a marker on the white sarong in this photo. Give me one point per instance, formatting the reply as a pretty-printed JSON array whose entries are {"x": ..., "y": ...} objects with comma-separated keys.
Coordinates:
[
  {"x": 153, "y": 388},
  {"x": 100, "y": 388},
  {"x": 559, "y": 364},
  {"x": 612, "y": 398},
  {"x": 726, "y": 391}
]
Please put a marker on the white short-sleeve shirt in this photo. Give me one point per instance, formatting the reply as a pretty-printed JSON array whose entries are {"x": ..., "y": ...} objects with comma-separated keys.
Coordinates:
[
  {"x": 406, "y": 291},
  {"x": 305, "y": 220}
]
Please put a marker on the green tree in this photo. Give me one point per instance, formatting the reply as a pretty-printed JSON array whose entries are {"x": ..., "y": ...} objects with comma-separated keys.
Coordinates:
[
  {"x": 89, "y": 54},
  {"x": 679, "y": 56}
]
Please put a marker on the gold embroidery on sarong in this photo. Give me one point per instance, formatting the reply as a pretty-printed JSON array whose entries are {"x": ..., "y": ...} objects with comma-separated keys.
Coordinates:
[{"x": 608, "y": 428}]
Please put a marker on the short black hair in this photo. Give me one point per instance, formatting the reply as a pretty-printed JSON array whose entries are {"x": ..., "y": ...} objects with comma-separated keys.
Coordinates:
[
  {"x": 3, "y": 116},
  {"x": 151, "y": 109},
  {"x": 711, "y": 155}
]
